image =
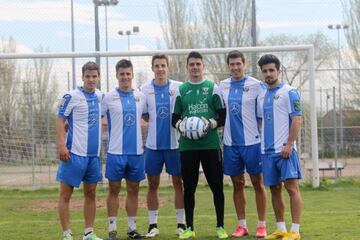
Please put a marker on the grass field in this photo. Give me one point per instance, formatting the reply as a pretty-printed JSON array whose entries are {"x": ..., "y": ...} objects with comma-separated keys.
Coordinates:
[{"x": 331, "y": 212}]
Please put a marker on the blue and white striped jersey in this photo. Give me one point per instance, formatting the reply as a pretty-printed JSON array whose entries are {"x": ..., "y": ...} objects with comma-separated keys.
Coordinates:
[
  {"x": 240, "y": 98},
  {"x": 276, "y": 107},
  {"x": 124, "y": 111},
  {"x": 82, "y": 112},
  {"x": 160, "y": 101}
]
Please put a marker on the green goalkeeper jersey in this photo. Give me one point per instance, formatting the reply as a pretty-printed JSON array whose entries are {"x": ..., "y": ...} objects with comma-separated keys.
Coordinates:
[{"x": 200, "y": 100}]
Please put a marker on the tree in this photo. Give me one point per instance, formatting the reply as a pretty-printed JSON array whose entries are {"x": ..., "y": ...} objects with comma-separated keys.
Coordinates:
[
  {"x": 179, "y": 25},
  {"x": 352, "y": 17},
  {"x": 221, "y": 24},
  {"x": 293, "y": 63}
]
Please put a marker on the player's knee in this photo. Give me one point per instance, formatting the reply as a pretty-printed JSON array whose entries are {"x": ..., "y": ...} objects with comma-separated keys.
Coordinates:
[
  {"x": 153, "y": 186},
  {"x": 292, "y": 189},
  {"x": 133, "y": 190},
  {"x": 276, "y": 189},
  {"x": 177, "y": 183},
  {"x": 90, "y": 193},
  {"x": 238, "y": 183}
]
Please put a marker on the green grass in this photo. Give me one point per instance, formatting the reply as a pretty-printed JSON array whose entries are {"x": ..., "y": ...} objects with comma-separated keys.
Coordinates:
[{"x": 331, "y": 212}]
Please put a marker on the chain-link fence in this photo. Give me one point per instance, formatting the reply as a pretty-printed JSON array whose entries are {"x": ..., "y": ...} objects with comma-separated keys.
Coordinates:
[{"x": 31, "y": 90}]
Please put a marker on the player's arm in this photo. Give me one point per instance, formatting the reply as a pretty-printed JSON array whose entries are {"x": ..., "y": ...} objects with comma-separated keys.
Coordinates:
[
  {"x": 60, "y": 139},
  {"x": 294, "y": 110},
  {"x": 293, "y": 134}
]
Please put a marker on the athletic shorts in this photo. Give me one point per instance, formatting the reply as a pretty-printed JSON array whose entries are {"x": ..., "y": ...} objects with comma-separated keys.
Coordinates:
[
  {"x": 130, "y": 167},
  {"x": 239, "y": 158},
  {"x": 277, "y": 169},
  {"x": 155, "y": 160},
  {"x": 79, "y": 169}
]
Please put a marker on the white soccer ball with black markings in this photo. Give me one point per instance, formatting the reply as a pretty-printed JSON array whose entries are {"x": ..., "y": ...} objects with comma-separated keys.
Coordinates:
[{"x": 194, "y": 128}]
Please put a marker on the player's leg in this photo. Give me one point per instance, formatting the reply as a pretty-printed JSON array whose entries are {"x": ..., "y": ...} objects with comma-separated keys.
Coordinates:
[
  {"x": 251, "y": 155},
  {"x": 234, "y": 166},
  {"x": 190, "y": 175},
  {"x": 91, "y": 177},
  {"x": 115, "y": 167},
  {"x": 173, "y": 167},
  {"x": 291, "y": 172},
  {"x": 69, "y": 174},
  {"x": 89, "y": 208},
  {"x": 153, "y": 167},
  {"x": 261, "y": 200},
  {"x": 271, "y": 175},
  {"x": 134, "y": 174},
  {"x": 211, "y": 161},
  {"x": 63, "y": 208},
  {"x": 131, "y": 206}
]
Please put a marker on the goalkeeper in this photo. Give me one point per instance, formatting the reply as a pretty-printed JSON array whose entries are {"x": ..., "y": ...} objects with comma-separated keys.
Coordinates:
[{"x": 199, "y": 97}]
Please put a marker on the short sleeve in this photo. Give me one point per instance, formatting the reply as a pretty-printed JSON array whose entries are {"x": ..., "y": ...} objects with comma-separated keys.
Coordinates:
[
  {"x": 66, "y": 106},
  {"x": 104, "y": 105},
  {"x": 217, "y": 99},
  {"x": 294, "y": 103}
]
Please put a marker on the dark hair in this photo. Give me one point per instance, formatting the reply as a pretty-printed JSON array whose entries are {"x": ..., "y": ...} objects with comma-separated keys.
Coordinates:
[
  {"x": 235, "y": 54},
  {"x": 90, "y": 66},
  {"x": 193, "y": 54},
  {"x": 267, "y": 59},
  {"x": 159, "y": 56},
  {"x": 123, "y": 63}
]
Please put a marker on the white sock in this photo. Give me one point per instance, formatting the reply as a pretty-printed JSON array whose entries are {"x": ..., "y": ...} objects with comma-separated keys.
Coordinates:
[
  {"x": 261, "y": 224},
  {"x": 242, "y": 222},
  {"x": 295, "y": 227},
  {"x": 67, "y": 232},
  {"x": 112, "y": 224},
  {"x": 153, "y": 216},
  {"x": 131, "y": 223},
  {"x": 281, "y": 226},
  {"x": 88, "y": 230},
  {"x": 180, "y": 215}
]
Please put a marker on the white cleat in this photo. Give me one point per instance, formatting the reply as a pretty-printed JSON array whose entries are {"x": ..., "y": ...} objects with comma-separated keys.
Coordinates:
[{"x": 152, "y": 233}]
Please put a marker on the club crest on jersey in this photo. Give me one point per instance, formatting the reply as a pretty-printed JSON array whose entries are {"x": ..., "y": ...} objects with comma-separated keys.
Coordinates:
[
  {"x": 205, "y": 91},
  {"x": 246, "y": 89},
  {"x": 171, "y": 93},
  {"x": 277, "y": 96},
  {"x": 137, "y": 98}
]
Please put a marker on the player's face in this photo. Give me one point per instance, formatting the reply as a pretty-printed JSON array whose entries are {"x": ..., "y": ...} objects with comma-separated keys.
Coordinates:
[
  {"x": 237, "y": 68},
  {"x": 160, "y": 69},
  {"x": 125, "y": 76},
  {"x": 90, "y": 79},
  {"x": 195, "y": 68},
  {"x": 270, "y": 74}
]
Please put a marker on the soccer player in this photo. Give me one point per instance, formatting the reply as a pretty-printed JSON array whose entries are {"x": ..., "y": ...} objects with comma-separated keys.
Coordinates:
[
  {"x": 162, "y": 142},
  {"x": 242, "y": 140},
  {"x": 199, "y": 97},
  {"x": 124, "y": 107},
  {"x": 79, "y": 153},
  {"x": 280, "y": 109}
]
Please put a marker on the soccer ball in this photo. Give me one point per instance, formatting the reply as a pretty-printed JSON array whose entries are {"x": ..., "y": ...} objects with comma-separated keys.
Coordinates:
[{"x": 194, "y": 128}]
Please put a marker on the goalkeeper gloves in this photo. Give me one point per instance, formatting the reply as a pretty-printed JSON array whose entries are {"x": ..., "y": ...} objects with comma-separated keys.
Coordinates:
[
  {"x": 180, "y": 126},
  {"x": 209, "y": 124}
]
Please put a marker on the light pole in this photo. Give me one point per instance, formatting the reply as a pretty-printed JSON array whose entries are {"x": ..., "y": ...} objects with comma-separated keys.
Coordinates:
[
  {"x": 73, "y": 46},
  {"x": 105, "y": 3},
  {"x": 338, "y": 27},
  {"x": 135, "y": 30}
]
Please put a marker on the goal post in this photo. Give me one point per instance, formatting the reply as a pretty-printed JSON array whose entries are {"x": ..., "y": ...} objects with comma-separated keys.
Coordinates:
[{"x": 308, "y": 49}]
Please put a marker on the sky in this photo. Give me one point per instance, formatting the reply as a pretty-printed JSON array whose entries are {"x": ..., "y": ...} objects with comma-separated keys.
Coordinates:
[{"x": 47, "y": 23}]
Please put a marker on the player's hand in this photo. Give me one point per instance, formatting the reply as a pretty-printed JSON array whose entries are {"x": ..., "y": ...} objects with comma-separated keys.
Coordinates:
[
  {"x": 286, "y": 151},
  {"x": 64, "y": 154},
  {"x": 209, "y": 124},
  {"x": 180, "y": 126}
]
